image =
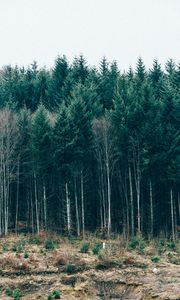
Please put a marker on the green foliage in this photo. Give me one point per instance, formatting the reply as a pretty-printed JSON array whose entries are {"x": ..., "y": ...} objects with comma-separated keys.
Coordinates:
[
  {"x": 173, "y": 258},
  {"x": 5, "y": 248},
  {"x": 72, "y": 239},
  {"x": 138, "y": 243},
  {"x": 9, "y": 292},
  {"x": 50, "y": 244},
  {"x": 96, "y": 249},
  {"x": 14, "y": 248},
  {"x": 17, "y": 294},
  {"x": 56, "y": 143},
  {"x": 18, "y": 246},
  {"x": 172, "y": 245},
  {"x": 34, "y": 240},
  {"x": 102, "y": 254},
  {"x": 155, "y": 259},
  {"x": 85, "y": 248},
  {"x": 26, "y": 255},
  {"x": 54, "y": 295},
  {"x": 70, "y": 269}
]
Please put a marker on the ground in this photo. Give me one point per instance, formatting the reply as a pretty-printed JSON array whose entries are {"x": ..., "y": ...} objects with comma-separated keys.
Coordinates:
[{"x": 32, "y": 267}]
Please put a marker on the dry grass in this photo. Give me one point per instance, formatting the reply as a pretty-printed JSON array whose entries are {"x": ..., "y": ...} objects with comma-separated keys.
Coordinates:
[{"x": 75, "y": 273}]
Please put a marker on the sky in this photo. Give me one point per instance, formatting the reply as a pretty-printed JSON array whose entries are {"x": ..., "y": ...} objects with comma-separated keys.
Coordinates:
[{"x": 121, "y": 30}]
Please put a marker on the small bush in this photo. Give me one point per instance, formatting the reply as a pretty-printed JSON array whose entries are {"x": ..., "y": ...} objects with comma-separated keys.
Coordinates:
[
  {"x": 19, "y": 246},
  {"x": 14, "y": 248},
  {"x": 54, "y": 295},
  {"x": 85, "y": 248},
  {"x": 101, "y": 254},
  {"x": 172, "y": 245},
  {"x": 141, "y": 247},
  {"x": 97, "y": 249},
  {"x": 35, "y": 240},
  {"x": 134, "y": 243},
  {"x": 155, "y": 259},
  {"x": 5, "y": 248},
  {"x": 137, "y": 243},
  {"x": 70, "y": 269},
  {"x": 17, "y": 294},
  {"x": 49, "y": 244},
  {"x": 26, "y": 255},
  {"x": 20, "y": 249},
  {"x": 8, "y": 292},
  {"x": 72, "y": 239}
]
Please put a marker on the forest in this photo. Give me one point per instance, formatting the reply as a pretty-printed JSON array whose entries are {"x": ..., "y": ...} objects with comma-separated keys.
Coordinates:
[{"x": 90, "y": 149}]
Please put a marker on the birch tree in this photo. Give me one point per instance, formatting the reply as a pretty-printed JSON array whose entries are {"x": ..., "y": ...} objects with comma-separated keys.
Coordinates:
[{"x": 8, "y": 164}]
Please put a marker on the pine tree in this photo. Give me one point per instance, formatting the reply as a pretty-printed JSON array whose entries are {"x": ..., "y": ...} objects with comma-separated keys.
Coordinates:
[{"x": 42, "y": 156}]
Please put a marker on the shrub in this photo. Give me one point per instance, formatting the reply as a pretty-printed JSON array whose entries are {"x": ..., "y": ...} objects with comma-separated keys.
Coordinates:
[
  {"x": 72, "y": 239},
  {"x": 54, "y": 295},
  {"x": 134, "y": 243},
  {"x": 35, "y": 240},
  {"x": 85, "y": 248},
  {"x": 20, "y": 249},
  {"x": 155, "y": 259},
  {"x": 70, "y": 269},
  {"x": 101, "y": 254},
  {"x": 172, "y": 245},
  {"x": 14, "y": 248},
  {"x": 137, "y": 243},
  {"x": 49, "y": 244},
  {"x": 141, "y": 247},
  {"x": 17, "y": 294},
  {"x": 8, "y": 292},
  {"x": 162, "y": 242},
  {"x": 5, "y": 248},
  {"x": 97, "y": 248},
  {"x": 26, "y": 255}
]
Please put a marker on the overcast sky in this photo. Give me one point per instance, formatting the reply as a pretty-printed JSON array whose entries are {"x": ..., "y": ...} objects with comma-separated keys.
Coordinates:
[{"x": 121, "y": 30}]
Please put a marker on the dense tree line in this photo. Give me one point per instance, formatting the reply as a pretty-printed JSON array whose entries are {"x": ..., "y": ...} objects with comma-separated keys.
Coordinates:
[{"x": 90, "y": 149}]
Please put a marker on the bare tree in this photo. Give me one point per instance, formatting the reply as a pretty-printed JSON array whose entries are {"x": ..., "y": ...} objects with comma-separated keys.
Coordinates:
[
  {"x": 8, "y": 163},
  {"x": 104, "y": 146}
]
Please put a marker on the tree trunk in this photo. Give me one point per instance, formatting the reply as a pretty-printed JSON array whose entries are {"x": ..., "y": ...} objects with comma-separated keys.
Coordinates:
[
  {"x": 36, "y": 203},
  {"x": 172, "y": 215},
  {"x": 179, "y": 205},
  {"x": 68, "y": 210},
  {"x": 76, "y": 207},
  {"x": 45, "y": 206},
  {"x": 82, "y": 203},
  {"x": 17, "y": 200},
  {"x": 132, "y": 201},
  {"x": 151, "y": 209}
]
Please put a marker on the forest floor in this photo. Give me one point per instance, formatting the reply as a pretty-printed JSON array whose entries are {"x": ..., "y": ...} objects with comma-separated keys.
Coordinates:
[{"x": 49, "y": 266}]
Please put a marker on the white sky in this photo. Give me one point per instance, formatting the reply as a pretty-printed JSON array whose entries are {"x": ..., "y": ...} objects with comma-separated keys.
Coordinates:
[{"x": 118, "y": 29}]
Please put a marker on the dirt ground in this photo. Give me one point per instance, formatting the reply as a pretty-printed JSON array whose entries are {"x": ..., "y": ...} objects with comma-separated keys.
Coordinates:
[{"x": 39, "y": 265}]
